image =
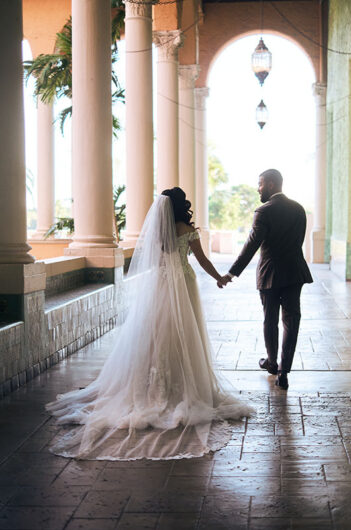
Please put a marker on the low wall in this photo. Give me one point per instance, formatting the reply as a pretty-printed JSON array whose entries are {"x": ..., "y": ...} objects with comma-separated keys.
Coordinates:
[
  {"x": 48, "y": 248},
  {"x": 226, "y": 241},
  {"x": 58, "y": 321}
]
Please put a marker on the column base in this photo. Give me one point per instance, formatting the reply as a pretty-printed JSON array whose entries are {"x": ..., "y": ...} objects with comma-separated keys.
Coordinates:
[
  {"x": 129, "y": 239},
  {"x": 317, "y": 246},
  {"x": 93, "y": 242},
  {"x": 98, "y": 257},
  {"x": 15, "y": 253}
]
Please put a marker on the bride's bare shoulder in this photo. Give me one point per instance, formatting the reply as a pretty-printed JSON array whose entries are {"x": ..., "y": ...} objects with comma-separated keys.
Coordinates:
[{"x": 183, "y": 228}]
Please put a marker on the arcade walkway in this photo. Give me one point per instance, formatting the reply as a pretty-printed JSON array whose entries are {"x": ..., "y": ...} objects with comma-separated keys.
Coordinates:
[{"x": 288, "y": 467}]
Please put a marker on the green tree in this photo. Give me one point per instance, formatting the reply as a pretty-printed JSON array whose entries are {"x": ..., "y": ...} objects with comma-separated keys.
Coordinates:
[
  {"x": 216, "y": 172},
  {"x": 249, "y": 200},
  {"x": 53, "y": 72},
  {"x": 233, "y": 209}
]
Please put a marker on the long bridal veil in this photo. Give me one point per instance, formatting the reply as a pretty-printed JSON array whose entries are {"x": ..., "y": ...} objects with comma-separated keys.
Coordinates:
[{"x": 156, "y": 396}]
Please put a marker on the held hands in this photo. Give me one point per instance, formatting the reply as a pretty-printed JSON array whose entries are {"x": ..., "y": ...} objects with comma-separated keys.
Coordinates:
[{"x": 223, "y": 281}]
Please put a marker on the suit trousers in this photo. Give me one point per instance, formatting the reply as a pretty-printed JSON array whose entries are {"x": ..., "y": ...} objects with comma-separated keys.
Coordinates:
[{"x": 288, "y": 298}]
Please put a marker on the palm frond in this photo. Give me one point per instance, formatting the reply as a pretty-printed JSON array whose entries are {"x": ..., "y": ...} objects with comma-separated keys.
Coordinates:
[
  {"x": 53, "y": 72},
  {"x": 116, "y": 126},
  {"x": 64, "y": 39},
  {"x": 63, "y": 116},
  {"x": 53, "y": 77},
  {"x": 60, "y": 224},
  {"x": 119, "y": 211},
  {"x": 117, "y": 22}
]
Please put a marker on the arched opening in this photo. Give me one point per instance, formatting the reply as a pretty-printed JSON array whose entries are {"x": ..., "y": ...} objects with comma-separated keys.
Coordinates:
[
  {"x": 287, "y": 142},
  {"x": 62, "y": 149},
  {"x": 30, "y": 121}
]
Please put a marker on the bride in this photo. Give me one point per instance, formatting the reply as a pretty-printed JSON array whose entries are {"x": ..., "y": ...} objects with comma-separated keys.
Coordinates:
[{"x": 157, "y": 395}]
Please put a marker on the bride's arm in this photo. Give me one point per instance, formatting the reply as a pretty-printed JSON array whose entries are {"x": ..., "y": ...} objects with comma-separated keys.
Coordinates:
[{"x": 205, "y": 263}]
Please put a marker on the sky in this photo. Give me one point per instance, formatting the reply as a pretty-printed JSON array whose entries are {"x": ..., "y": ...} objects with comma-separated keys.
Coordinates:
[{"x": 287, "y": 142}]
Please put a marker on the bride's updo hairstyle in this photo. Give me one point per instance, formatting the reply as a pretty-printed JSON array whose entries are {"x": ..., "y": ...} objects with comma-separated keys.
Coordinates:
[{"x": 181, "y": 206}]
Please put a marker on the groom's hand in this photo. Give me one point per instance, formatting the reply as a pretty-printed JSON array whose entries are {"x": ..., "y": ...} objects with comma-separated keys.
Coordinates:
[{"x": 223, "y": 281}]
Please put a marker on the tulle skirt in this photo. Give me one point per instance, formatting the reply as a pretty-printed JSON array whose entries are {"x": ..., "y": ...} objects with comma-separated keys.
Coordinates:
[{"x": 157, "y": 396}]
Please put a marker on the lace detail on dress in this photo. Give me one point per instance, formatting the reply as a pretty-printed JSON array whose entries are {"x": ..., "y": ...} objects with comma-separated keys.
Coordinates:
[
  {"x": 194, "y": 235},
  {"x": 184, "y": 249}
]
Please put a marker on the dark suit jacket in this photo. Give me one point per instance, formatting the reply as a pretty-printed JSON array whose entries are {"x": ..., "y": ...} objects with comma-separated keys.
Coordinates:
[{"x": 279, "y": 228}]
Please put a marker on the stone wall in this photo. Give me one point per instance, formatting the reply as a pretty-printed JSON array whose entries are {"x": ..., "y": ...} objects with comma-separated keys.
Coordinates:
[
  {"x": 64, "y": 282},
  {"x": 338, "y": 246},
  {"x": 49, "y": 334},
  {"x": 11, "y": 347}
]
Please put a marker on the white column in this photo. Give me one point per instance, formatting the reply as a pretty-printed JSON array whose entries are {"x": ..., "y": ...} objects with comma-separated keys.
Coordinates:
[
  {"x": 318, "y": 232},
  {"x": 45, "y": 174},
  {"x": 13, "y": 220},
  {"x": 139, "y": 115},
  {"x": 201, "y": 167},
  {"x": 187, "y": 78},
  {"x": 92, "y": 124},
  {"x": 168, "y": 43}
]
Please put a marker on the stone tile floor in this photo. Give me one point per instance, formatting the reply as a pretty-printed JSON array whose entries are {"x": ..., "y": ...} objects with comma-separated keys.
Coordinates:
[{"x": 287, "y": 467}]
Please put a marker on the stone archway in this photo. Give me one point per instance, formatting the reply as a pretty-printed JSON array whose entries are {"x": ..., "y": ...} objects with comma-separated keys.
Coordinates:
[
  {"x": 303, "y": 23},
  {"x": 241, "y": 146},
  {"x": 226, "y": 22}
]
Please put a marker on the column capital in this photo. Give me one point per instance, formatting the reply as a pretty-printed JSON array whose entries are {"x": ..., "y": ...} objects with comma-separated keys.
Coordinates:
[
  {"x": 188, "y": 74},
  {"x": 201, "y": 94},
  {"x": 138, "y": 8},
  {"x": 319, "y": 89},
  {"x": 168, "y": 43}
]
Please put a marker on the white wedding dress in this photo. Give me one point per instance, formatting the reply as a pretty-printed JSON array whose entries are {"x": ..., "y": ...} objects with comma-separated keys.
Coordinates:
[{"x": 157, "y": 396}]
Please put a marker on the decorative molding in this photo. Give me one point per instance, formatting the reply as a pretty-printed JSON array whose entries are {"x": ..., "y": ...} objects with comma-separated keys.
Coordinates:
[
  {"x": 138, "y": 9},
  {"x": 188, "y": 75},
  {"x": 201, "y": 95},
  {"x": 168, "y": 43},
  {"x": 15, "y": 253}
]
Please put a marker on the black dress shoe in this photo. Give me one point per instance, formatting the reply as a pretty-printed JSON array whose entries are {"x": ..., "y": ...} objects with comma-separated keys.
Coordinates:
[
  {"x": 282, "y": 381},
  {"x": 266, "y": 365}
]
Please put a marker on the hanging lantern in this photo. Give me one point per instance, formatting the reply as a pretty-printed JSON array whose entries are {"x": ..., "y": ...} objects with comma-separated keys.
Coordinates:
[
  {"x": 261, "y": 61},
  {"x": 261, "y": 114}
]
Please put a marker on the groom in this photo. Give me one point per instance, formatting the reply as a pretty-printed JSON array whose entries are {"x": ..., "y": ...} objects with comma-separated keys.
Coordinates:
[{"x": 279, "y": 228}]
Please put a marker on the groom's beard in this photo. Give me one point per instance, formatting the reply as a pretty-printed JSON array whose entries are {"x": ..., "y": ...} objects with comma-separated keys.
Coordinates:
[{"x": 264, "y": 197}]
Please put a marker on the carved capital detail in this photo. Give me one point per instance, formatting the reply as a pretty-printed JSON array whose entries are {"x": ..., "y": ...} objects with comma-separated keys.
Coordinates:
[
  {"x": 168, "y": 43},
  {"x": 319, "y": 89},
  {"x": 138, "y": 8},
  {"x": 201, "y": 95},
  {"x": 188, "y": 75}
]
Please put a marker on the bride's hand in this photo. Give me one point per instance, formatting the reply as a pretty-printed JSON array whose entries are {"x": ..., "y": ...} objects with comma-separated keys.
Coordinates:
[{"x": 223, "y": 281}]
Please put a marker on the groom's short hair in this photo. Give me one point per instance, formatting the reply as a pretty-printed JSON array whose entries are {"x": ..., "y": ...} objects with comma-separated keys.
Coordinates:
[{"x": 274, "y": 175}]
